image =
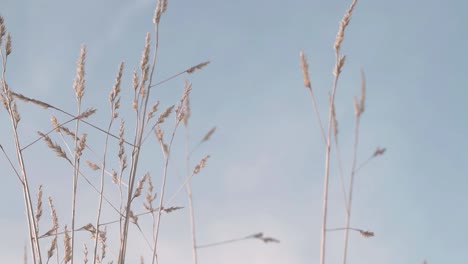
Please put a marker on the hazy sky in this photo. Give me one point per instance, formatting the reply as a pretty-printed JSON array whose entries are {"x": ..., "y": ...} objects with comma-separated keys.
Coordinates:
[{"x": 266, "y": 168}]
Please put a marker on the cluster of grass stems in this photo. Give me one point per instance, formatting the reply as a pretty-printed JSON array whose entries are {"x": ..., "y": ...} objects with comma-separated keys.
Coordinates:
[
  {"x": 330, "y": 136},
  {"x": 74, "y": 143}
]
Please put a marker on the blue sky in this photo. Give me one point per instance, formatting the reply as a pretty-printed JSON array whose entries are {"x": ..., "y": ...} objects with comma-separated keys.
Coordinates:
[{"x": 266, "y": 166}]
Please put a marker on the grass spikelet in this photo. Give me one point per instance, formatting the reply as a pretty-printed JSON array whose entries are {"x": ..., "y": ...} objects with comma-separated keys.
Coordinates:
[
  {"x": 343, "y": 24},
  {"x": 8, "y": 44},
  {"x": 172, "y": 209},
  {"x": 92, "y": 165},
  {"x": 55, "y": 226},
  {"x": 39, "y": 207},
  {"x": 149, "y": 197},
  {"x": 85, "y": 253},
  {"x": 153, "y": 110},
  {"x": 81, "y": 145},
  {"x": 305, "y": 70},
  {"x": 379, "y": 151},
  {"x": 55, "y": 123},
  {"x": 187, "y": 111},
  {"x": 133, "y": 217},
  {"x": 334, "y": 120},
  {"x": 159, "y": 10},
  {"x": 2, "y": 29},
  {"x": 339, "y": 66},
  {"x": 208, "y": 135},
  {"x": 114, "y": 97},
  {"x": 102, "y": 239},
  {"x": 140, "y": 185},
  {"x": 121, "y": 154},
  {"x": 165, "y": 114},
  {"x": 197, "y": 67},
  {"x": 135, "y": 80},
  {"x": 159, "y": 134},
  {"x": 67, "y": 245},
  {"x": 366, "y": 234},
  {"x": 200, "y": 165},
  {"x": 363, "y": 93},
  {"x": 16, "y": 115},
  {"x": 79, "y": 83},
  {"x": 116, "y": 88},
  {"x": 30, "y": 100},
  {"x": 56, "y": 148},
  {"x": 87, "y": 113},
  {"x": 180, "y": 111},
  {"x": 90, "y": 228},
  {"x": 144, "y": 64},
  {"x": 51, "y": 250}
]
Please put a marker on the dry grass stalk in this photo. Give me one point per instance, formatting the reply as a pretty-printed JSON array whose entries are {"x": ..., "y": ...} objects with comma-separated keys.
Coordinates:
[
  {"x": 79, "y": 87},
  {"x": 10, "y": 105},
  {"x": 166, "y": 148},
  {"x": 188, "y": 188},
  {"x": 140, "y": 127},
  {"x": 25, "y": 255},
  {"x": 307, "y": 84},
  {"x": 336, "y": 72},
  {"x": 358, "y": 110},
  {"x": 144, "y": 84}
]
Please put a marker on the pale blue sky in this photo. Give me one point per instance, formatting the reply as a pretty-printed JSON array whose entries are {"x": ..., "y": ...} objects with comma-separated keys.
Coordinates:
[{"x": 266, "y": 166}]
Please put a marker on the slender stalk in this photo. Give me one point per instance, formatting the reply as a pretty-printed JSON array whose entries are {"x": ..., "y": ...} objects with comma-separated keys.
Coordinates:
[
  {"x": 350, "y": 191},
  {"x": 163, "y": 188},
  {"x": 137, "y": 148},
  {"x": 325, "y": 188},
  {"x": 188, "y": 189},
  {"x": 79, "y": 91},
  {"x": 101, "y": 191},
  {"x": 339, "y": 62},
  {"x": 32, "y": 225}
]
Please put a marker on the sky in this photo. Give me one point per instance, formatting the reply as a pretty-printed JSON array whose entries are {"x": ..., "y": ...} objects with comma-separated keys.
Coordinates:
[{"x": 265, "y": 172}]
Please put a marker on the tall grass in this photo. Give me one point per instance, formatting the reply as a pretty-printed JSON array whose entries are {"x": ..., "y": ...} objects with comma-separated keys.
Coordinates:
[
  {"x": 330, "y": 136},
  {"x": 74, "y": 144},
  {"x": 119, "y": 163}
]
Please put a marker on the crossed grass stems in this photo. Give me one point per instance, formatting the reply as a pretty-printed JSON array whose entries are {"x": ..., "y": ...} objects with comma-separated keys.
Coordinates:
[{"x": 142, "y": 83}]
